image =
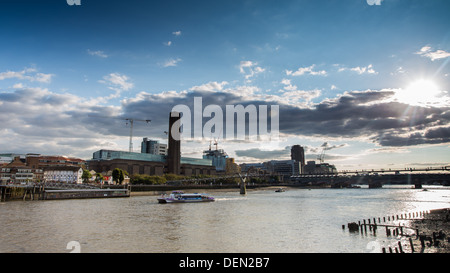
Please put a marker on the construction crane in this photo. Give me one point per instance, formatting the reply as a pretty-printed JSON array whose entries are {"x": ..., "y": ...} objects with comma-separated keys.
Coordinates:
[
  {"x": 131, "y": 129},
  {"x": 216, "y": 141},
  {"x": 321, "y": 157},
  {"x": 131, "y": 121}
]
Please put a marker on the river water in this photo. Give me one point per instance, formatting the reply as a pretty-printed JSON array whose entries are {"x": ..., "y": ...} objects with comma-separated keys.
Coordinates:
[{"x": 295, "y": 221}]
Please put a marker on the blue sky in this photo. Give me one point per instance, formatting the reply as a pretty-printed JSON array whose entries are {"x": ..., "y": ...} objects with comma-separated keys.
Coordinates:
[{"x": 60, "y": 63}]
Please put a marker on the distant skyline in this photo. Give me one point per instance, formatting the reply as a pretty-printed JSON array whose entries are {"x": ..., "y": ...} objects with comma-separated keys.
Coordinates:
[{"x": 368, "y": 83}]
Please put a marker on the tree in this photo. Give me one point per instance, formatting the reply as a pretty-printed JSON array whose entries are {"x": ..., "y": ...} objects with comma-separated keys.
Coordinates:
[
  {"x": 118, "y": 175},
  {"x": 86, "y": 176},
  {"x": 99, "y": 178}
]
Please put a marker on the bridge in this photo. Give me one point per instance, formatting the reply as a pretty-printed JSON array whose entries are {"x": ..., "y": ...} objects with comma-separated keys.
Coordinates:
[
  {"x": 442, "y": 169},
  {"x": 374, "y": 180}
]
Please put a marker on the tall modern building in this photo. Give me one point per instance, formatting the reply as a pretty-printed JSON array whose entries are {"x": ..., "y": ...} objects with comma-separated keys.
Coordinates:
[
  {"x": 218, "y": 157},
  {"x": 298, "y": 155},
  {"x": 149, "y": 146}
]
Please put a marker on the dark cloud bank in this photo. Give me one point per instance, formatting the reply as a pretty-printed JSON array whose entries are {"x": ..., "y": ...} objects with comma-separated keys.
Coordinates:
[{"x": 371, "y": 115}]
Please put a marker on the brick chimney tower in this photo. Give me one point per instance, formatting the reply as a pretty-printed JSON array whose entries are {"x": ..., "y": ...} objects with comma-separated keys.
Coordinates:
[{"x": 174, "y": 151}]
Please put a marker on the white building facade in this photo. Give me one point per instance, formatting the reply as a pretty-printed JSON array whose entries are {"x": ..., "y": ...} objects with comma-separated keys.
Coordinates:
[{"x": 71, "y": 175}]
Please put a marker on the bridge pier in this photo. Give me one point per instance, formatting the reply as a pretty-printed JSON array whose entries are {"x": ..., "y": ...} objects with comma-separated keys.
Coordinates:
[
  {"x": 243, "y": 189},
  {"x": 3, "y": 194}
]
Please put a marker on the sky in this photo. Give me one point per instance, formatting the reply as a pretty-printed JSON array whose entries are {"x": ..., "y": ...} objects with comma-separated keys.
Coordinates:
[{"x": 365, "y": 81}]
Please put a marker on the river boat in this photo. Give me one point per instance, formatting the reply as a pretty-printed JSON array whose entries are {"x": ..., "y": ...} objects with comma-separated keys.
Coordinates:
[
  {"x": 181, "y": 197},
  {"x": 280, "y": 190}
]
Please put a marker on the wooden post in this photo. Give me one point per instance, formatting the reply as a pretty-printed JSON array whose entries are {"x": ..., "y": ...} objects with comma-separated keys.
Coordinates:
[
  {"x": 412, "y": 245},
  {"x": 400, "y": 247},
  {"x": 422, "y": 242}
]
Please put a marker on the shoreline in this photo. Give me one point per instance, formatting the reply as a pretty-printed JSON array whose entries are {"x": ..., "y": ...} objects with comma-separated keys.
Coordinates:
[{"x": 434, "y": 232}]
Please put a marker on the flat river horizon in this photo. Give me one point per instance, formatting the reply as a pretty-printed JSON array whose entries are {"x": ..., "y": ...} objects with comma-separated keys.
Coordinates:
[{"x": 262, "y": 221}]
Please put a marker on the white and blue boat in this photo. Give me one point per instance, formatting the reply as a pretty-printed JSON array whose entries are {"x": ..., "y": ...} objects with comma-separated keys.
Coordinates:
[{"x": 181, "y": 197}]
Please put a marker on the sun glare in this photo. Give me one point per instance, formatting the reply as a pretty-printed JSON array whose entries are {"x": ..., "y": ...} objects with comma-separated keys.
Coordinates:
[{"x": 420, "y": 92}]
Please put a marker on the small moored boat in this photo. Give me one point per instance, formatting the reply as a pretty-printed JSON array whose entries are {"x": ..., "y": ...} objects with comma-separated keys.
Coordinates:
[
  {"x": 280, "y": 190},
  {"x": 181, "y": 197}
]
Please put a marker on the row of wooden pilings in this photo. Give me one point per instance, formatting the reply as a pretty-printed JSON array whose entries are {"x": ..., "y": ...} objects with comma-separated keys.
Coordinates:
[
  {"x": 391, "y": 229},
  {"x": 31, "y": 192}
]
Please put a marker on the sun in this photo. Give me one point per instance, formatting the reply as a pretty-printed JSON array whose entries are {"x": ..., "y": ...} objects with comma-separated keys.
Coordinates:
[{"x": 420, "y": 92}]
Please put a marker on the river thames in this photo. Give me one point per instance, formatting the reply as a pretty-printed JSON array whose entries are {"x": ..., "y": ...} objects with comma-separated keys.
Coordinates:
[{"x": 263, "y": 221}]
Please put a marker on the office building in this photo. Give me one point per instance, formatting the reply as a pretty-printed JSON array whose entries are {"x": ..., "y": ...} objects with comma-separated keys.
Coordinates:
[
  {"x": 324, "y": 168},
  {"x": 149, "y": 146},
  {"x": 218, "y": 158},
  {"x": 298, "y": 155}
]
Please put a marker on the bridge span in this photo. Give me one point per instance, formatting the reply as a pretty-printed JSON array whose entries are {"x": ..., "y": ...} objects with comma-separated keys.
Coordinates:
[{"x": 374, "y": 180}]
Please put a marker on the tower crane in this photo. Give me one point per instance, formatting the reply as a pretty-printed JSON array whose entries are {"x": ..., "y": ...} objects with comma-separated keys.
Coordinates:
[
  {"x": 131, "y": 121},
  {"x": 321, "y": 156},
  {"x": 131, "y": 129},
  {"x": 216, "y": 141}
]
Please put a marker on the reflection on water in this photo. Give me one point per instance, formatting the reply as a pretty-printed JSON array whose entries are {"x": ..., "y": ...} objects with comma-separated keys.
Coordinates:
[{"x": 298, "y": 220}]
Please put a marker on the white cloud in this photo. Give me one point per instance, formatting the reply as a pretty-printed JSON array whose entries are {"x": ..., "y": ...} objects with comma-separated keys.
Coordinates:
[
  {"x": 44, "y": 78},
  {"x": 433, "y": 55},
  {"x": 26, "y": 74},
  {"x": 424, "y": 49},
  {"x": 360, "y": 69},
  {"x": 97, "y": 53},
  {"x": 177, "y": 33},
  {"x": 18, "y": 86},
  {"x": 171, "y": 62},
  {"x": 306, "y": 70},
  {"x": 250, "y": 69},
  {"x": 299, "y": 97},
  {"x": 211, "y": 86},
  {"x": 245, "y": 64},
  {"x": 116, "y": 82},
  {"x": 286, "y": 81},
  {"x": 169, "y": 43}
]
